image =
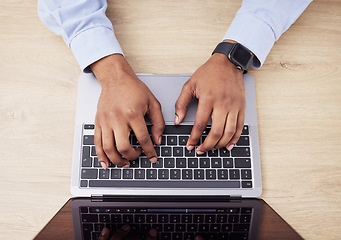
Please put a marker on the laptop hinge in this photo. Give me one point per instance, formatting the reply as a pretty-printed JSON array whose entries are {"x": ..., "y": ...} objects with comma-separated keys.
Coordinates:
[{"x": 166, "y": 198}]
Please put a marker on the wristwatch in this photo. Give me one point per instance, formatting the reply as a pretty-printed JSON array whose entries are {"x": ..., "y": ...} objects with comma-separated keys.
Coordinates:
[{"x": 237, "y": 54}]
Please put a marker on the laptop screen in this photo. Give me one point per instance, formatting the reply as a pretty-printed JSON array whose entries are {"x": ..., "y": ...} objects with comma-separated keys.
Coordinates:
[{"x": 85, "y": 218}]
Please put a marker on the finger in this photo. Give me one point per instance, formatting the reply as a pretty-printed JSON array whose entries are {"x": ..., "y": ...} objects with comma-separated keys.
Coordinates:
[
  {"x": 230, "y": 129},
  {"x": 152, "y": 234},
  {"x": 216, "y": 132},
  {"x": 181, "y": 104},
  {"x": 110, "y": 149},
  {"x": 141, "y": 132},
  {"x": 123, "y": 145},
  {"x": 198, "y": 237},
  {"x": 239, "y": 129},
  {"x": 102, "y": 158},
  {"x": 157, "y": 121},
  {"x": 200, "y": 123},
  {"x": 121, "y": 233},
  {"x": 104, "y": 234}
]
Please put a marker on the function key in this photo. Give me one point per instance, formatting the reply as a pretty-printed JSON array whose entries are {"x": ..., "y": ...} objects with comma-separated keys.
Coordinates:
[
  {"x": 246, "y": 210},
  {"x": 245, "y": 130},
  {"x": 89, "y": 126}
]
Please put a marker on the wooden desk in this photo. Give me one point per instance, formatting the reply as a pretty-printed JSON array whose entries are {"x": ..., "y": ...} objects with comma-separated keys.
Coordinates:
[{"x": 298, "y": 98}]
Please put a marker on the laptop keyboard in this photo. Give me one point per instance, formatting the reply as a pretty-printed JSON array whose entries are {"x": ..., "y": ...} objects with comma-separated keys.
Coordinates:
[
  {"x": 176, "y": 166},
  {"x": 172, "y": 224}
]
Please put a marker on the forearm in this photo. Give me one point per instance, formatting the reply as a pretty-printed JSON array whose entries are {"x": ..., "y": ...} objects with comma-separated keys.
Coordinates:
[{"x": 84, "y": 27}]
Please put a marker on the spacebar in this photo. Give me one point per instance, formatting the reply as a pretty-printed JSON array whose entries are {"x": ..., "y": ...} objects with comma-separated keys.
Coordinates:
[{"x": 165, "y": 184}]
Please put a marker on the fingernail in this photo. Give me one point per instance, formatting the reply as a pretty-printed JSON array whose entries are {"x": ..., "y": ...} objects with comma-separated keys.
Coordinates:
[
  {"x": 152, "y": 233},
  {"x": 104, "y": 165},
  {"x": 125, "y": 227},
  {"x": 153, "y": 159},
  {"x": 176, "y": 120},
  {"x": 105, "y": 231},
  {"x": 190, "y": 147},
  {"x": 126, "y": 166},
  {"x": 160, "y": 140},
  {"x": 200, "y": 152},
  {"x": 230, "y": 147}
]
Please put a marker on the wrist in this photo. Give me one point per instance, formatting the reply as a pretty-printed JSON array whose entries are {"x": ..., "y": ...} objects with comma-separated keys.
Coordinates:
[
  {"x": 110, "y": 69},
  {"x": 223, "y": 61}
]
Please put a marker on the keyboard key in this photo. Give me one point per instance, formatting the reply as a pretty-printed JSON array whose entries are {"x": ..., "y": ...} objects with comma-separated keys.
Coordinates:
[
  {"x": 172, "y": 140},
  {"x": 234, "y": 174},
  {"x": 223, "y": 152},
  {"x": 151, "y": 219},
  {"x": 181, "y": 162},
  {"x": 192, "y": 227},
  {"x": 88, "y": 140},
  {"x": 169, "y": 162},
  {"x": 227, "y": 162},
  {"x": 240, "y": 152},
  {"x": 226, "y": 227},
  {"x": 89, "y": 218},
  {"x": 178, "y": 151},
  {"x": 164, "y": 184},
  {"x": 216, "y": 162},
  {"x": 158, "y": 164},
  {"x": 84, "y": 183},
  {"x": 166, "y": 151},
  {"x": 89, "y": 174},
  {"x": 189, "y": 153},
  {"x": 162, "y": 218},
  {"x": 139, "y": 174},
  {"x": 204, "y": 228},
  {"x": 245, "y": 218},
  {"x": 145, "y": 163},
  {"x": 211, "y": 174},
  {"x": 127, "y": 173},
  {"x": 178, "y": 129},
  {"x": 177, "y": 236},
  {"x": 86, "y": 159},
  {"x": 187, "y": 174},
  {"x": 104, "y": 173},
  {"x": 241, "y": 227},
  {"x": 175, "y": 174},
  {"x": 246, "y": 184},
  {"x": 213, "y": 153},
  {"x": 163, "y": 174},
  {"x": 115, "y": 173},
  {"x": 222, "y": 174},
  {"x": 157, "y": 150},
  {"x": 151, "y": 173},
  {"x": 183, "y": 140},
  {"x": 215, "y": 228},
  {"x": 134, "y": 141},
  {"x": 233, "y": 218},
  {"x": 89, "y": 126},
  {"x": 243, "y": 141},
  {"x": 246, "y": 210},
  {"x": 222, "y": 218},
  {"x": 204, "y": 162},
  {"x": 198, "y": 173},
  {"x": 242, "y": 162},
  {"x": 245, "y": 130},
  {"x": 192, "y": 163},
  {"x": 239, "y": 236},
  {"x": 210, "y": 218},
  {"x": 198, "y": 219},
  {"x": 128, "y": 218},
  {"x": 104, "y": 218},
  {"x": 93, "y": 151},
  {"x": 97, "y": 163},
  {"x": 245, "y": 173},
  {"x": 134, "y": 163},
  {"x": 186, "y": 218},
  {"x": 174, "y": 218},
  {"x": 163, "y": 140}
]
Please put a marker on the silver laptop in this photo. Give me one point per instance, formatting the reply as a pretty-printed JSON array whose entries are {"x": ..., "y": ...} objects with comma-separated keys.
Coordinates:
[{"x": 177, "y": 172}]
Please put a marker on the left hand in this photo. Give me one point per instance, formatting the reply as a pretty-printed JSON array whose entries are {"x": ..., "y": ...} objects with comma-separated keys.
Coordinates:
[{"x": 219, "y": 86}]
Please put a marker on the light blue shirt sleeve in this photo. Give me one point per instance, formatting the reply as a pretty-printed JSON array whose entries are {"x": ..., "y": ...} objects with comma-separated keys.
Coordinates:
[
  {"x": 259, "y": 23},
  {"x": 84, "y": 27}
]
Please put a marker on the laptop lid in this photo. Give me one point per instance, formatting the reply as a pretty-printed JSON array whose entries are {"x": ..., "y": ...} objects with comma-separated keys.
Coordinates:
[
  {"x": 84, "y": 218},
  {"x": 166, "y": 89}
]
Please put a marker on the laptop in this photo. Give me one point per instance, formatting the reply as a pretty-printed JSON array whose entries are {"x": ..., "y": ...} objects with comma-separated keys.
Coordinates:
[
  {"x": 213, "y": 204},
  {"x": 177, "y": 172},
  {"x": 212, "y": 219}
]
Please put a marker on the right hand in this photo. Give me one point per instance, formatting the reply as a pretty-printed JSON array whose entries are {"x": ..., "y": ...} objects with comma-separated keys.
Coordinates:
[
  {"x": 123, "y": 103},
  {"x": 124, "y": 234}
]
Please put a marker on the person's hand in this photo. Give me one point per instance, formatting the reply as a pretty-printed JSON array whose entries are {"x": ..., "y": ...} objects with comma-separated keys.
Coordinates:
[
  {"x": 219, "y": 86},
  {"x": 124, "y": 234},
  {"x": 123, "y": 103}
]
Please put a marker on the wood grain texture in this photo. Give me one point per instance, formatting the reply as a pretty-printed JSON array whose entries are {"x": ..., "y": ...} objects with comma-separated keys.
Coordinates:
[{"x": 298, "y": 102}]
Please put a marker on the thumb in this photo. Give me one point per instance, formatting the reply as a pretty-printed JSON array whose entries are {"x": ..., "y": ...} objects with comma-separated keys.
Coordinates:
[{"x": 181, "y": 104}]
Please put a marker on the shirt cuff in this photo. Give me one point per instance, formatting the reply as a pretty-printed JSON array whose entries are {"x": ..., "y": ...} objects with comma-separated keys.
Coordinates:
[
  {"x": 94, "y": 44},
  {"x": 254, "y": 34}
]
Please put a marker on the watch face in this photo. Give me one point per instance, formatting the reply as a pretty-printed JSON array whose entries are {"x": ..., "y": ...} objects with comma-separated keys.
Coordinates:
[{"x": 241, "y": 56}]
